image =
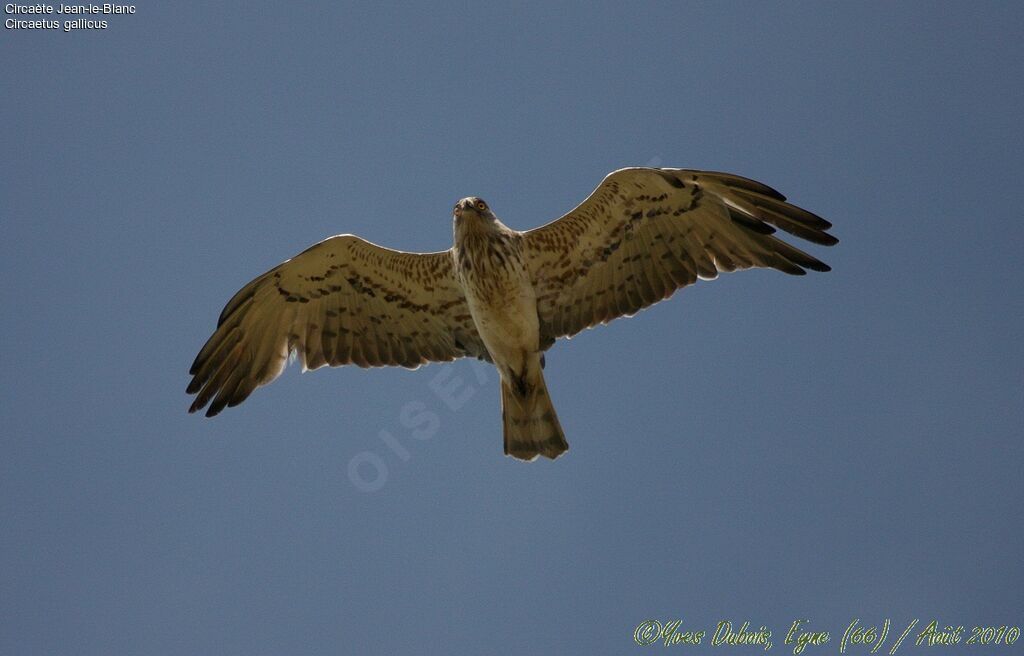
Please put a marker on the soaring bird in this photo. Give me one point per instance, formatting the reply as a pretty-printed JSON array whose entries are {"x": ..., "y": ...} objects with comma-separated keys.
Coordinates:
[{"x": 502, "y": 295}]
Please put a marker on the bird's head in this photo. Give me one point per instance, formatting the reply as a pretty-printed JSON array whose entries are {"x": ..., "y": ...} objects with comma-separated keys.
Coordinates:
[
  {"x": 472, "y": 215},
  {"x": 472, "y": 207}
]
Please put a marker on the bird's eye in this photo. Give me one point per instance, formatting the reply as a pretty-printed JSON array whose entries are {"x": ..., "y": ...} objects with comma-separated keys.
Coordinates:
[{"x": 480, "y": 205}]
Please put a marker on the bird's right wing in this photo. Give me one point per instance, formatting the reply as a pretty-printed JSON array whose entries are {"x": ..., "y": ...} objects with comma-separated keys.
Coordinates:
[
  {"x": 644, "y": 233},
  {"x": 341, "y": 301}
]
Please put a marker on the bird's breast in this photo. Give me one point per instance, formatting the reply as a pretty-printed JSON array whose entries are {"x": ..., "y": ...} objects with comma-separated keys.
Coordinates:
[
  {"x": 498, "y": 291},
  {"x": 491, "y": 267}
]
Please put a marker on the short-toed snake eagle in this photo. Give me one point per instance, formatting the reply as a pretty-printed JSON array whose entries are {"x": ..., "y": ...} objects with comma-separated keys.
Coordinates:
[{"x": 499, "y": 294}]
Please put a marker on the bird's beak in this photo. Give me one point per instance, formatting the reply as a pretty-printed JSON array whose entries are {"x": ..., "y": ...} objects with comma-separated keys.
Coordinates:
[{"x": 466, "y": 205}]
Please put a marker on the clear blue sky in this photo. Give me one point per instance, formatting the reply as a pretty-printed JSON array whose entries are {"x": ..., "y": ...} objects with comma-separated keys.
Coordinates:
[{"x": 761, "y": 447}]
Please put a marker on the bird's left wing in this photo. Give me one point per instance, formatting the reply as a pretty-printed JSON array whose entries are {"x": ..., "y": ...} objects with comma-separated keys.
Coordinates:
[
  {"x": 341, "y": 301},
  {"x": 644, "y": 233}
]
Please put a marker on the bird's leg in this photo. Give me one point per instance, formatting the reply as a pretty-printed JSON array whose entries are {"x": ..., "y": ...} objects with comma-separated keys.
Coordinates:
[
  {"x": 526, "y": 378},
  {"x": 518, "y": 377},
  {"x": 520, "y": 384}
]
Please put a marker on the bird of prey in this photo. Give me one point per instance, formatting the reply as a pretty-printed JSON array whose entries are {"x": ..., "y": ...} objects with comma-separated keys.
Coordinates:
[{"x": 502, "y": 295}]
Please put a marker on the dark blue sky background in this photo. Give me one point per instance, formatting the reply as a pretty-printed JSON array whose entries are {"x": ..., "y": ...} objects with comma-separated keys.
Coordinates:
[{"x": 761, "y": 447}]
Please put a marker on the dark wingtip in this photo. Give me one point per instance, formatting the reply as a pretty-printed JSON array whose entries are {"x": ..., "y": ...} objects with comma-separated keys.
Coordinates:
[
  {"x": 750, "y": 222},
  {"x": 243, "y": 295},
  {"x": 671, "y": 179},
  {"x": 740, "y": 182}
]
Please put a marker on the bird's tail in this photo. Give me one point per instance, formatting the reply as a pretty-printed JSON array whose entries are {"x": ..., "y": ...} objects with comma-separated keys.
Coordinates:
[{"x": 531, "y": 425}]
